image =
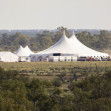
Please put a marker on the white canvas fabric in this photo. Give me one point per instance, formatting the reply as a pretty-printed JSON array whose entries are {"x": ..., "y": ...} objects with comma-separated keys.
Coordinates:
[
  {"x": 62, "y": 46},
  {"x": 23, "y": 51},
  {"x": 8, "y": 57},
  {"x": 27, "y": 49},
  {"x": 84, "y": 50},
  {"x": 70, "y": 46}
]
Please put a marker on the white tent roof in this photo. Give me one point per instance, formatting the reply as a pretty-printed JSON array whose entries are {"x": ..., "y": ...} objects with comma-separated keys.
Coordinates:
[
  {"x": 6, "y": 53},
  {"x": 8, "y": 57},
  {"x": 27, "y": 49},
  {"x": 71, "y": 46},
  {"x": 84, "y": 50},
  {"x": 22, "y": 52},
  {"x": 62, "y": 46}
]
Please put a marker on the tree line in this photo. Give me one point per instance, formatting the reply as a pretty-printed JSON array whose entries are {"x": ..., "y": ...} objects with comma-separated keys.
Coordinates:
[{"x": 41, "y": 41}]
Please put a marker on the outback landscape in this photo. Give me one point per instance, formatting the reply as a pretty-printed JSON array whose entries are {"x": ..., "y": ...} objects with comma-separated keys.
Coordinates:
[
  {"x": 55, "y": 55},
  {"x": 55, "y": 86},
  {"x": 61, "y": 86}
]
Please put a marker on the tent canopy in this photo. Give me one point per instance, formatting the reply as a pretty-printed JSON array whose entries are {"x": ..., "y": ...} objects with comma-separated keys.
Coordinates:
[
  {"x": 23, "y": 51},
  {"x": 84, "y": 50},
  {"x": 62, "y": 46},
  {"x": 8, "y": 57},
  {"x": 71, "y": 46},
  {"x": 27, "y": 49}
]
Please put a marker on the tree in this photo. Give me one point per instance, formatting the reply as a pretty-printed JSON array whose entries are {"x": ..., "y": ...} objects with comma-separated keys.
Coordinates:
[
  {"x": 61, "y": 29},
  {"x": 46, "y": 42}
]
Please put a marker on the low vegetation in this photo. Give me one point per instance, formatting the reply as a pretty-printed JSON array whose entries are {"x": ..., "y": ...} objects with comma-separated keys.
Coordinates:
[
  {"x": 51, "y": 70},
  {"x": 88, "y": 89}
]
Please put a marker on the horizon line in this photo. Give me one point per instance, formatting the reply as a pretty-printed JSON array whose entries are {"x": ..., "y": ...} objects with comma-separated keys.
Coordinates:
[{"x": 57, "y": 29}]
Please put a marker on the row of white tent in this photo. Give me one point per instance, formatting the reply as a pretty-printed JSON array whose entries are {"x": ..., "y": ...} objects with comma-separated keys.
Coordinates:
[
  {"x": 68, "y": 47},
  {"x": 64, "y": 48},
  {"x": 21, "y": 55}
]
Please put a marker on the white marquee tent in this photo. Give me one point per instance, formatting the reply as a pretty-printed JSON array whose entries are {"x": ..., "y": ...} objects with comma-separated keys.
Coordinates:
[
  {"x": 67, "y": 47},
  {"x": 24, "y": 53},
  {"x": 27, "y": 49},
  {"x": 8, "y": 57},
  {"x": 21, "y": 52},
  {"x": 62, "y": 47}
]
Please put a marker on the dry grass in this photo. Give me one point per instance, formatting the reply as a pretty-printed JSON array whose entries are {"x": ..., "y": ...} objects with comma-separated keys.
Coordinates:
[
  {"x": 42, "y": 65},
  {"x": 49, "y": 70}
]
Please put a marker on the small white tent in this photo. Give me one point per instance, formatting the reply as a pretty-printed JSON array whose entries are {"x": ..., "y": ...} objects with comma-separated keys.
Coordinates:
[
  {"x": 27, "y": 49},
  {"x": 21, "y": 52},
  {"x": 8, "y": 57},
  {"x": 24, "y": 54}
]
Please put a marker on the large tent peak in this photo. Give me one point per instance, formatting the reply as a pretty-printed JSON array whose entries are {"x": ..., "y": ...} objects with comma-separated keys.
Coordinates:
[
  {"x": 26, "y": 46},
  {"x": 73, "y": 33},
  {"x": 21, "y": 47},
  {"x": 64, "y": 33},
  {"x": 64, "y": 36},
  {"x": 27, "y": 49}
]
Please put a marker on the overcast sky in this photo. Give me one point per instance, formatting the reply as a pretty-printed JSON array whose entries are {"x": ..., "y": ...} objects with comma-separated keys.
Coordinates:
[{"x": 50, "y": 14}]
